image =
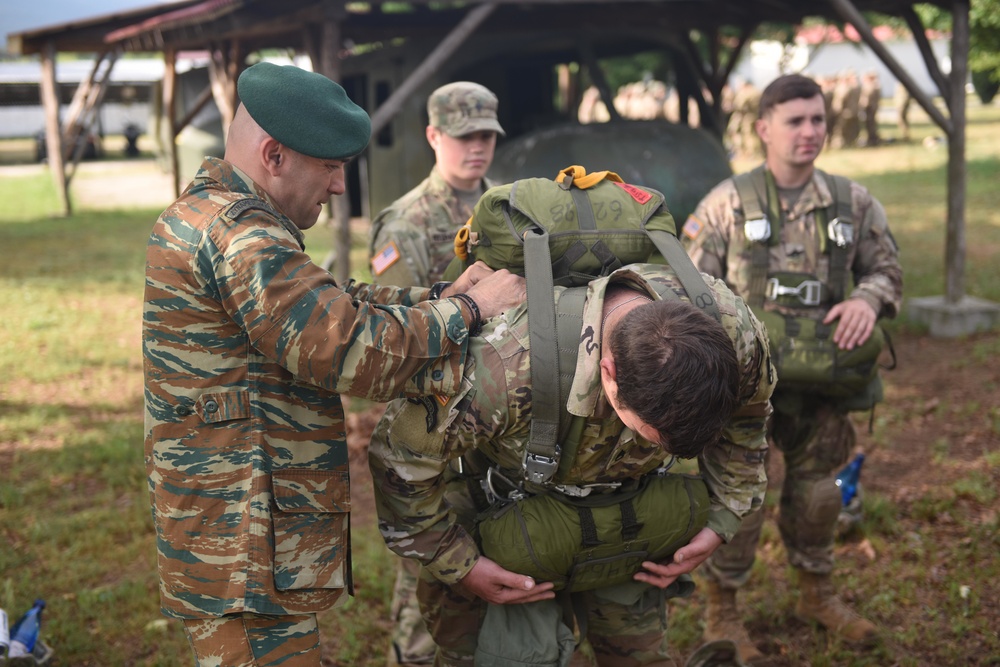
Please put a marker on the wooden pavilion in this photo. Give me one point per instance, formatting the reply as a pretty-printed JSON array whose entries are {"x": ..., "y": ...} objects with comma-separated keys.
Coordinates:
[{"x": 344, "y": 41}]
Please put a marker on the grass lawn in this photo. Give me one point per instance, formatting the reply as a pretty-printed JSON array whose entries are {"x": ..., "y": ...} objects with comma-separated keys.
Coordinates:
[{"x": 75, "y": 524}]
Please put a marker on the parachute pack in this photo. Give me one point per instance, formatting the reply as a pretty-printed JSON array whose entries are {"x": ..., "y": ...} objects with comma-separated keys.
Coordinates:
[{"x": 567, "y": 232}]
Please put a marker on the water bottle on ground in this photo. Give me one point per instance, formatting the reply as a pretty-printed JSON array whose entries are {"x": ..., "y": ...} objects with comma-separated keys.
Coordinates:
[
  {"x": 24, "y": 634},
  {"x": 849, "y": 481}
]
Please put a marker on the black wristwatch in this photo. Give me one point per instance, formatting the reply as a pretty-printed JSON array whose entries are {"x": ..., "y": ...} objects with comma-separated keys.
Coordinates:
[{"x": 437, "y": 288}]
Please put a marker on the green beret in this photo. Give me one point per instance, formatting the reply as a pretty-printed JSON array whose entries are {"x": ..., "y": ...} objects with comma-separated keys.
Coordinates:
[{"x": 305, "y": 111}]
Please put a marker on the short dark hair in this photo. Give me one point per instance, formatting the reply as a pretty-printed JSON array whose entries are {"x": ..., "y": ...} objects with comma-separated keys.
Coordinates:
[
  {"x": 788, "y": 87},
  {"x": 677, "y": 370}
]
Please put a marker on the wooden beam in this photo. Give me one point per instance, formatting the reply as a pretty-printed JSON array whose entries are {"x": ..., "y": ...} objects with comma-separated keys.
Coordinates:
[
  {"x": 203, "y": 97},
  {"x": 76, "y": 134},
  {"x": 920, "y": 37},
  {"x": 597, "y": 77},
  {"x": 431, "y": 64},
  {"x": 954, "y": 253},
  {"x": 339, "y": 260},
  {"x": 850, "y": 13},
  {"x": 53, "y": 134}
]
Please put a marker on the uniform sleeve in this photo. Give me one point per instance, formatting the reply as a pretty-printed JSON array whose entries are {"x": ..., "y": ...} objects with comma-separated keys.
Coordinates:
[
  {"x": 707, "y": 231},
  {"x": 878, "y": 276},
  {"x": 408, "y": 456},
  {"x": 399, "y": 251},
  {"x": 296, "y": 315},
  {"x": 734, "y": 468}
]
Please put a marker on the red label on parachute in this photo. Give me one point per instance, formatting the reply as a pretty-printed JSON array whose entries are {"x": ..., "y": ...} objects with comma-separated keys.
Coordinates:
[{"x": 640, "y": 196}]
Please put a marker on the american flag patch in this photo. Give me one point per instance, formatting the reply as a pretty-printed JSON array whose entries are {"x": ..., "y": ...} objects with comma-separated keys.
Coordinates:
[
  {"x": 385, "y": 258},
  {"x": 692, "y": 227}
]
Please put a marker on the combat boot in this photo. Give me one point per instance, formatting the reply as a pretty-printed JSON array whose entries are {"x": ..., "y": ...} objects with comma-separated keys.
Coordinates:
[
  {"x": 818, "y": 602},
  {"x": 722, "y": 621}
]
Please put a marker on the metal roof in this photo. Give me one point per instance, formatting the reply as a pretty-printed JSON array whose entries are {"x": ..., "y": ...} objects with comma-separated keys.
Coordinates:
[{"x": 191, "y": 24}]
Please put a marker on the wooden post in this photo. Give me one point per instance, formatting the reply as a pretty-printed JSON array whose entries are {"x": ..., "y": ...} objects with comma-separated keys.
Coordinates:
[
  {"x": 954, "y": 252},
  {"x": 53, "y": 134},
  {"x": 170, "y": 113},
  {"x": 339, "y": 260}
]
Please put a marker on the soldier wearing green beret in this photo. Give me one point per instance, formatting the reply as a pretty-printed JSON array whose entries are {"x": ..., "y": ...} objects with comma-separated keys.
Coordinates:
[
  {"x": 411, "y": 243},
  {"x": 247, "y": 346}
]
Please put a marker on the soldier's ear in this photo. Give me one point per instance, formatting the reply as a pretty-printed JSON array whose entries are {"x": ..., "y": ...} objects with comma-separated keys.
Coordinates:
[
  {"x": 433, "y": 136},
  {"x": 272, "y": 155}
]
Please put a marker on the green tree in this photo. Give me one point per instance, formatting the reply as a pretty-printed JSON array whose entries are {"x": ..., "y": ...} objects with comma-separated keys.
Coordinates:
[{"x": 984, "y": 41}]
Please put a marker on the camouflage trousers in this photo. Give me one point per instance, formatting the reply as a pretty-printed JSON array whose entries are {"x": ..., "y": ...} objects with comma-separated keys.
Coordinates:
[
  {"x": 816, "y": 440},
  {"x": 625, "y": 626},
  {"x": 412, "y": 644},
  {"x": 250, "y": 640}
]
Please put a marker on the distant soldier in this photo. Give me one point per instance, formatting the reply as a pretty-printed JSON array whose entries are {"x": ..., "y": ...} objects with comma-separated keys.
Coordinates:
[
  {"x": 847, "y": 108},
  {"x": 746, "y": 102},
  {"x": 902, "y": 100},
  {"x": 871, "y": 95},
  {"x": 827, "y": 84}
]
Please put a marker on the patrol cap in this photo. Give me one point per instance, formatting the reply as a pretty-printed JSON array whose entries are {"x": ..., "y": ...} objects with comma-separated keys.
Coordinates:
[
  {"x": 462, "y": 108},
  {"x": 305, "y": 111}
]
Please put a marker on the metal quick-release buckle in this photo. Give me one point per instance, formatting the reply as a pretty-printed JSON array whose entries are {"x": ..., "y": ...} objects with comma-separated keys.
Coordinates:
[
  {"x": 808, "y": 291},
  {"x": 493, "y": 495},
  {"x": 841, "y": 233},
  {"x": 539, "y": 469},
  {"x": 757, "y": 230}
]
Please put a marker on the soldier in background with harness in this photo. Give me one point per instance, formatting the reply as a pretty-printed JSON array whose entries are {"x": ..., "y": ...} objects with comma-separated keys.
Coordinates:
[
  {"x": 813, "y": 256},
  {"x": 596, "y": 516}
]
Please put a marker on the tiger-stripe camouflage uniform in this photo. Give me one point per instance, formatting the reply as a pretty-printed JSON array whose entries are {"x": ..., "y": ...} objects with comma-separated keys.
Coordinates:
[
  {"x": 413, "y": 240},
  {"x": 247, "y": 345},
  {"x": 492, "y": 412},
  {"x": 814, "y": 433}
]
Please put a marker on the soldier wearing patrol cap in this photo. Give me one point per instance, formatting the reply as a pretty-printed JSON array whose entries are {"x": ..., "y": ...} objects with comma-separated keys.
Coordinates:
[
  {"x": 411, "y": 243},
  {"x": 247, "y": 346},
  {"x": 821, "y": 246}
]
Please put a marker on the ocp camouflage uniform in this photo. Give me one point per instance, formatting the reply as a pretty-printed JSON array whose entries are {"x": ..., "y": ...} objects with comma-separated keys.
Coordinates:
[
  {"x": 416, "y": 233},
  {"x": 414, "y": 241},
  {"x": 247, "y": 345},
  {"x": 492, "y": 413},
  {"x": 814, "y": 434}
]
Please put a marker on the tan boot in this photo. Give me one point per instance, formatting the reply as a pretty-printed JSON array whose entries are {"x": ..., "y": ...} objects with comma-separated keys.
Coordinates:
[
  {"x": 818, "y": 602},
  {"x": 722, "y": 621}
]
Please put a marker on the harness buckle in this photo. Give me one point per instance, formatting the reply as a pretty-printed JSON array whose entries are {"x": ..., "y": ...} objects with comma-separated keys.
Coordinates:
[
  {"x": 493, "y": 495},
  {"x": 539, "y": 469},
  {"x": 808, "y": 292},
  {"x": 757, "y": 230},
  {"x": 841, "y": 233}
]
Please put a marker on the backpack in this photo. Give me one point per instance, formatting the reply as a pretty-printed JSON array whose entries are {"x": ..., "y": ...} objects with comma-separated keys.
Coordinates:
[
  {"x": 802, "y": 348},
  {"x": 569, "y": 231}
]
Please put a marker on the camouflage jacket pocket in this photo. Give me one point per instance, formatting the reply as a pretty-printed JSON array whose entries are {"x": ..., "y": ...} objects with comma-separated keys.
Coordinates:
[{"x": 311, "y": 527}]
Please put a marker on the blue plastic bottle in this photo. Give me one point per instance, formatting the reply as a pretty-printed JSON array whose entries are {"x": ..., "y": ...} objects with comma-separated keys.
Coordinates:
[
  {"x": 849, "y": 477},
  {"x": 24, "y": 634}
]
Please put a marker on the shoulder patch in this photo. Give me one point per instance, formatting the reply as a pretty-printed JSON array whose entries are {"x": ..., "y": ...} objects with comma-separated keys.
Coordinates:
[
  {"x": 384, "y": 258},
  {"x": 638, "y": 194},
  {"x": 241, "y": 206},
  {"x": 693, "y": 227}
]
